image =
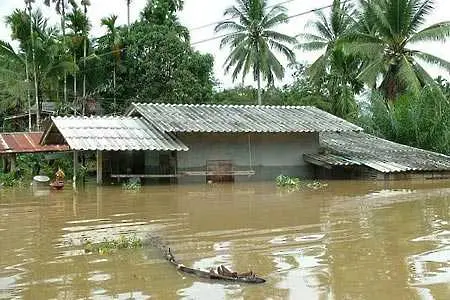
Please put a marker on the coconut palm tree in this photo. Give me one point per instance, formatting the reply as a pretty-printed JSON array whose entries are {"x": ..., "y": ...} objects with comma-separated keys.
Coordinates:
[
  {"x": 385, "y": 39},
  {"x": 253, "y": 40},
  {"x": 333, "y": 69},
  {"x": 114, "y": 40},
  {"x": 326, "y": 32}
]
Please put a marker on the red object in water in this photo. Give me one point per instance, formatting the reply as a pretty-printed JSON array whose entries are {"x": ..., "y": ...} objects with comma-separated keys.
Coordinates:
[{"x": 57, "y": 185}]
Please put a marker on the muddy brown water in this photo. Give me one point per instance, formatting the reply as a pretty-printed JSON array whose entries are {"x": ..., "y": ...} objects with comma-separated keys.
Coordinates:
[{"x": 350, "y": 240}]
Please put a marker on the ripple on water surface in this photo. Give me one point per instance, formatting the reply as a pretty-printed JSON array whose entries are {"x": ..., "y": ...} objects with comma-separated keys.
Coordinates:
[{"x": 347, "y": 241}]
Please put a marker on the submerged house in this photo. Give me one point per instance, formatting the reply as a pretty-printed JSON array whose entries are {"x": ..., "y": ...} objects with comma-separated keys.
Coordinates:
[
  {"x": 201, "y": 143},
  {"x": 350, "y": 155},
  {"x": 241, "y": 143},
  {"x": 198, "y": 143},
  {"x": 12, "y": 144}
]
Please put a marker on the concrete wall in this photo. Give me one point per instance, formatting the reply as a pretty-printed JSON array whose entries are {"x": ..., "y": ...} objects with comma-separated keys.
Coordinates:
[{"x": 268, "y": 154}]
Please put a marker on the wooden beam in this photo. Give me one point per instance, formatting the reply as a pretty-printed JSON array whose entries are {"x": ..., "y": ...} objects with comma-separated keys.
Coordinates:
[{"x": 99, "y": 167}]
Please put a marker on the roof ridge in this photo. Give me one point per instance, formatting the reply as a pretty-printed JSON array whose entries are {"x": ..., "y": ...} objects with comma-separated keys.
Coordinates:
[{"x": 219, "y": 105}]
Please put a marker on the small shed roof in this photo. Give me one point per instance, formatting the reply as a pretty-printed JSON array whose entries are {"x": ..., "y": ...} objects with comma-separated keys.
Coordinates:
[
  {"x": 358, "y": 148},
  {"x": 110, "y": 133},
  {"x": 239, "y": 118},
  {"x": 26, "y": 142}
]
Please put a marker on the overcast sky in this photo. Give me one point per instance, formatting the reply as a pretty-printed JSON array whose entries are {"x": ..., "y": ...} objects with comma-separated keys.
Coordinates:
[{"x": 200, "y": 12}]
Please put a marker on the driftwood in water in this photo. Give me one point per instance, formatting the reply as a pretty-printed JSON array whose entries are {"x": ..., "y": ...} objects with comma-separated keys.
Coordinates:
[{"x": 222, "y": 273}]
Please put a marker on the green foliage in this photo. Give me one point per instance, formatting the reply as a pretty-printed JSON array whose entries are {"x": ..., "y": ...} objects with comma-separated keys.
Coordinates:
[
  {"x": 11, "y": 180},
  {"x": 287, "y": 181},
  {"x": 316, "y": 185},
  {"x": 110, "y": 246},
  {"x": 384, "y": 38},
  {"x": 421, "y": 121},
  {"x": 159, "y": 66},
  {"x": 132, "y": 185},
  {"x": 327, "y": 30}
]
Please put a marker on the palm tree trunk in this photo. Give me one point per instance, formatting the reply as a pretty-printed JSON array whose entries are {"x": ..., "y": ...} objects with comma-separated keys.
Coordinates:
[
  {"x": 84, "y": 56},
  {"x": 128, "y": 14},
  {"x": 114, "y": 87},
  {"x": 63, "y": 27},
  {"x": 38, "y": 115},
  {"x": 28, "y": 92},
  {"x": 259, "y": 87},
  {"x": 84, "y": 67},
  {"x": 74, "y": 79}
]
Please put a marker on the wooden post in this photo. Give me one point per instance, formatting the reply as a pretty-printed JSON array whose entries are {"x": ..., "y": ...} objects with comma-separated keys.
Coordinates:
[
  {"x": 4, "y": 164},
  {"x": 99, "y": 167},
  {"x": 13, "y": 165},
  {"x": 75, "y": 168}
]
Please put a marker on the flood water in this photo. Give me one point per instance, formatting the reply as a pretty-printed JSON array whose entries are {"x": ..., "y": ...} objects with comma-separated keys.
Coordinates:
[{"x": 350, "y": 240}]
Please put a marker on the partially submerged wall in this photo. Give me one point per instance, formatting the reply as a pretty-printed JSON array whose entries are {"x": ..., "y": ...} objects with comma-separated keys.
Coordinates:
[{"x": 267, "y": 154}]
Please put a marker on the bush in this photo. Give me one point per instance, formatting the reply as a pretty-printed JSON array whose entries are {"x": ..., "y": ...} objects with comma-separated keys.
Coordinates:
[
  {"x": 287, "y": 181},
  {"x": 110, "y": 246},
  {"x": 421, "y": 121},
  {"x": 11, "y": 180}
]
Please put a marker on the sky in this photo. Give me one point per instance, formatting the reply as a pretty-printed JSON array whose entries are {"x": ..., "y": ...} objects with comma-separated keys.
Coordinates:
[{"x": 197, "y": 13}]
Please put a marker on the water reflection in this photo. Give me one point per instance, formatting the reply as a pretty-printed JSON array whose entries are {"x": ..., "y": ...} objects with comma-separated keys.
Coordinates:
[{"x": 352, "y": 240}]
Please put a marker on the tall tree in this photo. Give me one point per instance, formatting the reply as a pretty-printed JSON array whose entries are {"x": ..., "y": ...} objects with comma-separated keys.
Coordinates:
[
  {"x": 48, "y": 65},
  {"x": 326, "y": 32},
  {"x": 85, "y": 4},
  {"x": 78, "y": 25},
  {"x": 388, "y": 30},
  {"x": 114, "y": 42},
  {"x": 60, "y": 7},
  {"x": 333, "y": 71},
  {"x": 252, "y": 40},
  {"x": 33, "y": 54}
]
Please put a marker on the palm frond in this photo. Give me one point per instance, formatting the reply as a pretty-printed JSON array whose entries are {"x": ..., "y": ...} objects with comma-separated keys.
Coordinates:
[
  {"x": 370, "y": 73},
  {"x": 279, "y": 37},
  {"x": 312, "y": 46},
  {"x": 310, "y": 37},
  {"x": 232, "y": 39},
  {"x": 432, "y": 59},
  {"x": 420, "y": 10},
  {"x": 230, "y": 25},
  {"x": 363, "y": 49},
  {"x": 408, "y": 77},
  {"x": 317, "y": 70},
  {"x": 283, "y": 49},
  {"x": 281, "y": 18},
  {"x": 436, "y": 32}
]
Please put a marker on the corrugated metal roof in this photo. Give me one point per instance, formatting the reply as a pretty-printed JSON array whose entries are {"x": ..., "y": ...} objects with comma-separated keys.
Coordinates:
[
  {"x": 26, "y": 142},
  {"x": 331, "y": 159},
  {"x": 382, "y": 155},
  {"x": 239, "y": 118},
  {"x": 114, "y": 133}
]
